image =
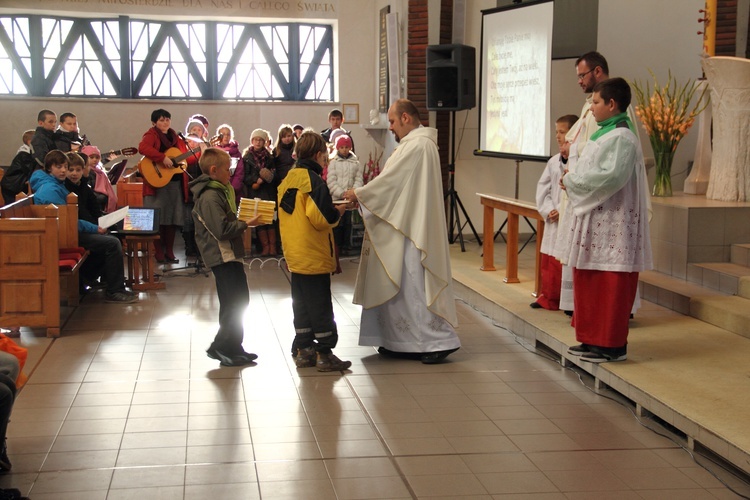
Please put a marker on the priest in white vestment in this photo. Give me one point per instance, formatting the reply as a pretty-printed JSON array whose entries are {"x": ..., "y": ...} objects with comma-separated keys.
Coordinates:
[{"x": 404, "y": 280}]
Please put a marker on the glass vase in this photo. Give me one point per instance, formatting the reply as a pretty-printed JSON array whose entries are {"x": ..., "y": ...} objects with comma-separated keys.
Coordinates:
[{"x": 663, "y": 178}]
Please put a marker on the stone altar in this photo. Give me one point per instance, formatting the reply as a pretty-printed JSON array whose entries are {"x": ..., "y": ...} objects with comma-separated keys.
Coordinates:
[{"x": 729, "y": 80}]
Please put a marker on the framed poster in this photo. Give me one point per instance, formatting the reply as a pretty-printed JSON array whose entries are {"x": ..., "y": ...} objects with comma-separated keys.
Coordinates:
[
  {"x": 383, "y": 60},
  {"x": 351, "y": 113}
]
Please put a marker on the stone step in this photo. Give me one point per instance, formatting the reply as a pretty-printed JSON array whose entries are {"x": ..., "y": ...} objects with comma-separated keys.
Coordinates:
[
  {"x": 722, "y": 276},
  {"x": 731, "y": 313},
  {"x": 672, "y": 293},
  {"x": 740, "y": 254}
]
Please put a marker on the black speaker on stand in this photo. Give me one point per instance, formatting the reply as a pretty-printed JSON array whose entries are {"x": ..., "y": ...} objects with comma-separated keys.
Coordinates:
[{"x": 451, "y": 86}]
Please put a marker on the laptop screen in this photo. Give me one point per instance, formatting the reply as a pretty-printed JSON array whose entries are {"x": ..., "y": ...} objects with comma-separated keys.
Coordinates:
[{"x": 140, "y": 220}]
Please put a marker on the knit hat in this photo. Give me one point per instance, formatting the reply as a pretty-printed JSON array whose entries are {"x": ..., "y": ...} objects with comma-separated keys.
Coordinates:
[
  {"x": 343, "y": 141},
  {"x": 297, "y": 126},
  {"x": 89, "y": 150},
  {"x": 259, "y": 132},
  {"x": 201, "y": 119},
  {"x": 192, "y": 123},
  {"x": 335, "y": 135}
]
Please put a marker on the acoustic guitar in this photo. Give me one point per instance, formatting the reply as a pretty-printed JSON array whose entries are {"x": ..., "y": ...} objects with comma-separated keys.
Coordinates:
[
  {"x": 123, "y": 152},
  {"x": 157, "y": 175}
]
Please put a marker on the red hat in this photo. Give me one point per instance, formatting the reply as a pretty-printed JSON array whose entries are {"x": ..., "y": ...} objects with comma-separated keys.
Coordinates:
[{"x": 343, "y": 141}]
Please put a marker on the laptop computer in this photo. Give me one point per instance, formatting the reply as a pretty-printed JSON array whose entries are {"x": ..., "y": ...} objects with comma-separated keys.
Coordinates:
[
  {"x": 116, "y": 171},
  {"x": 139, "y": 220}
]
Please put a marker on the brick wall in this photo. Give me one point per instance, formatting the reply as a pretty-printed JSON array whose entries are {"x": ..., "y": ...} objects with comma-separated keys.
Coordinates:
[
  {"x": 726, "y": 27},
  {"x": 416, "y": 72}
]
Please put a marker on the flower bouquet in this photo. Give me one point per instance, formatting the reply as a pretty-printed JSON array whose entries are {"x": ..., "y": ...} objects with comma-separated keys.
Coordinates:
[
  {"x": 666, "y": 115},
  {"x": 372, "y": 168}
]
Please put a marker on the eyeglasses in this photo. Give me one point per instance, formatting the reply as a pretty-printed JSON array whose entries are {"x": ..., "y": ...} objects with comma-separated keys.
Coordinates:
[{"x": 583, "y": 75}]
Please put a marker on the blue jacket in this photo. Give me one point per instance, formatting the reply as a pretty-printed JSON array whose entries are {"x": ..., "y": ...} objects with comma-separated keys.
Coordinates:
[{"x": 48, "y": 189}]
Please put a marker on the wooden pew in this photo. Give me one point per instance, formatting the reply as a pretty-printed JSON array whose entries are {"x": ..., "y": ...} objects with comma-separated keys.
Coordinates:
[
  {"x": 39, "y": 262},
  {"x": 514, "y": 208},
  {"x": 129, "y": 192}
]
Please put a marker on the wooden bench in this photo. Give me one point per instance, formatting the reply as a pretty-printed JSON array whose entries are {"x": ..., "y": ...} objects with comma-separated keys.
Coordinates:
[
  {"x": 514, "y": 208},
  {"x": 39, "y": 262},
  {"x": 129, "y": 192}
]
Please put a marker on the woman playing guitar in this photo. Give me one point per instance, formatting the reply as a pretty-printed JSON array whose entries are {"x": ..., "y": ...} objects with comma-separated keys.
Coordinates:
[{"x": 165, "y": 182}]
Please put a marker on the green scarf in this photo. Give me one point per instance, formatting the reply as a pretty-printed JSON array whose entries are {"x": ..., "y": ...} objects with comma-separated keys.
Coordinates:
[
  {"x": 610, "y": 123},
  {"x": 228, "y": 192}
]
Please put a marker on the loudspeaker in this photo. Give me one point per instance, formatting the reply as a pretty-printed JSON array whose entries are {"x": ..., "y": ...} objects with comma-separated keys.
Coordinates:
[{"x": 451, "y": 80}]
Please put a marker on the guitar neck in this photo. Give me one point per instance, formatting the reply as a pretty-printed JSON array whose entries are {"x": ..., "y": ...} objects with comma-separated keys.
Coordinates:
[{"x": 186, "y": 154}]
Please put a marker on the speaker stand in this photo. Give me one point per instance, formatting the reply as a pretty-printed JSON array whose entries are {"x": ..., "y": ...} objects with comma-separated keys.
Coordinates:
[
  {"x": 454, "y": 204},
  {"x": 533, "y": 229}
]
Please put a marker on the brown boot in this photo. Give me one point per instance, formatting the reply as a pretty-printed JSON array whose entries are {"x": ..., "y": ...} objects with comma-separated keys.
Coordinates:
[
  {"x": 305, "y": 358},
  {"x": 272, "y": 241},
  {"x": 263, "y": 237},
  {"x": 328, "y": 362}
]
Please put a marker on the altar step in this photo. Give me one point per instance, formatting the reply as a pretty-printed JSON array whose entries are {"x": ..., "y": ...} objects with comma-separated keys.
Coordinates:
[
  {"x": 731, "y": 277},
  {"x": 717, "y": 293}
]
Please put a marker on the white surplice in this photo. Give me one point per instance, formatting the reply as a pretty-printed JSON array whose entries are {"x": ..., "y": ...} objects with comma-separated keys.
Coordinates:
[
  {"x": 609, "y": 207},
  {"x": 404, "y": 280}
]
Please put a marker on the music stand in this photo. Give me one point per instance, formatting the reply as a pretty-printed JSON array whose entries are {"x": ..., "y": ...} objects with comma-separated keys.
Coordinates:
[
  {"x": 198, "y": 268},
  {"x": 116, "y": 171}
]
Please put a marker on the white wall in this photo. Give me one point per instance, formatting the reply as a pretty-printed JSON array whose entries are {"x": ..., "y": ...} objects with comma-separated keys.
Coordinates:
[{"x": 639, "y": 35}]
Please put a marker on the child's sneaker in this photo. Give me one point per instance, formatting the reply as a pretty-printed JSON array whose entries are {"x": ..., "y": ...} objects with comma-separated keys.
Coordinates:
[
  {"x": 328, "y": 362},
  {"x": 305, "y": 358}
]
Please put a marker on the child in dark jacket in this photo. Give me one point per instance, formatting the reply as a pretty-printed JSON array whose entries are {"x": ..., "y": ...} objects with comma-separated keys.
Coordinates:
[
  {"x": 20, "y": 170},
  {"x": 218, "y": 234},
  {"x": 105, "y": 259},
  {"x": 44, "y": 136}
]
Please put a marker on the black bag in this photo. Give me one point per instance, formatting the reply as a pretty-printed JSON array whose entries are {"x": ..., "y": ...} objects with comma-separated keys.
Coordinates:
[{"x": 19, "y": 173}]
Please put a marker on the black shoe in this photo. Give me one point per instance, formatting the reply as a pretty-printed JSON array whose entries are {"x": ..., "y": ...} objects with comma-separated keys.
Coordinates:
[
  {"x": 5, "y": 464},
  {"x": 433, "y": 358},
  {"x": 171, "y": 260},
  {"x": 535, "y": 305},
  {"x": 399, "y": 355},
  {"x": 568, "y": 313},
  {"x": 578, "y": 350},
  {"x": 11, "y": 494},
  {"x": 605, "y": 354},
  {"x": 230, "y": 360},
  {"x": 248, "y": 356}
]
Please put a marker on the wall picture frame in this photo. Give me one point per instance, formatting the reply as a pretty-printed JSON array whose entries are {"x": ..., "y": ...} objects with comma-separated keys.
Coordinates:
[{"x": 351, "y": 113}]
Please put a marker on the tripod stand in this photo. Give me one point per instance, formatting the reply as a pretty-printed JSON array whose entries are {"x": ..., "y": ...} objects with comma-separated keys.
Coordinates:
[
  {"x": 454, "y": 217},
  {"x": 197, "y": 267},
  {"x": 533, "y": 229}
]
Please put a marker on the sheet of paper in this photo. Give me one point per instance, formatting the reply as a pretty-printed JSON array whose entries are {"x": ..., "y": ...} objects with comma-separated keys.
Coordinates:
[{"x": 113, "y": 218}]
